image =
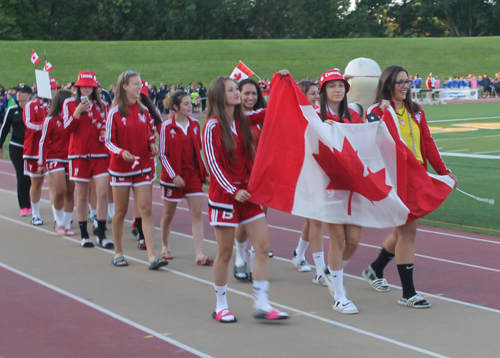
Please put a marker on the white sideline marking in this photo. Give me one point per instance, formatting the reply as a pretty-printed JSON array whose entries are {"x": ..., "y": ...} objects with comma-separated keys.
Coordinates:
[
  {"x": 244, "y": 294},
  {"x": 479, "y": 156},
  {"x": 461, "y": 119},
  {"x": 461, "y": 138},
  {"x": 106, "y": 311}
]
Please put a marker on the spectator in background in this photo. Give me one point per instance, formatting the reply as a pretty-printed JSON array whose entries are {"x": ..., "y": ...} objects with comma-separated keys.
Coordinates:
[
  {"x": 445, "y": 84},
  {"x": 486, "y": 86},
  {"x": 152, "y": 93},
  {"x": 160, "y": 96},
  {"x": 112, "y": 90},
  {"x": 11, "y": 97},
  {"x": 496, "y": 84},
  {"x": 195, "y": 100},
  {"x": 3, "y": 103},
  {"x": 202, "y": 91},
  {"x": 418, "y": 82},
  {"x": 181, "y": 87},
  {"x": 473, "y": 82},
  {"x": 433, "y": 80},
  {"x": 428, "y": 82},
  {"x": 437, "y": 83}
]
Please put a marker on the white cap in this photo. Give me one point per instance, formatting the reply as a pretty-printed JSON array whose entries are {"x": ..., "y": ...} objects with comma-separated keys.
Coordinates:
[{"x": 362, "y": 67}]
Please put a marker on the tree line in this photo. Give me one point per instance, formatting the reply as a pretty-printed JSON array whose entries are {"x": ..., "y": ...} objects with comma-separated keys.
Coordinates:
[{"x": 113, "y": 20}]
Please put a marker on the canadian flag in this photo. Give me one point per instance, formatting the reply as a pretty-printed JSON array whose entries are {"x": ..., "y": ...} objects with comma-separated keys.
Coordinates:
[
  {"x": 340, "y": 173},
  {"x": 48, "y": 66},
  {"x": 34, "y": 58},
  {"x": 241, "y": 72}
]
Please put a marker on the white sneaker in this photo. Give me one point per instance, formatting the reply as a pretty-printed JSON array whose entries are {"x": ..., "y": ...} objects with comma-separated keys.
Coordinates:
[
  {"x": 319, "y": 280},
  {"x": 301, "y": 264},
  {"x": 346, "y": 307}
]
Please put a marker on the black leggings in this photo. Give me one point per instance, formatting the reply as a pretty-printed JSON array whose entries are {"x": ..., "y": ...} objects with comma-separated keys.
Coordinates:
[{"x": 23, "y": 181}]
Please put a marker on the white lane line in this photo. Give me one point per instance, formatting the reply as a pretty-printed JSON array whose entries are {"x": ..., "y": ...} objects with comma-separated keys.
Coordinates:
[
  {"x": 456, "y": 150},
  {"x": 463, "y": 155},
  {"x": 494, "y": 151},
  {"x": 461, "y": 138},
  {"x": 107, "y": 312},
  {"x": 461, "y": 119},
  {"x": 7, "y": 173},
  {"x": 244, "y": 294}
]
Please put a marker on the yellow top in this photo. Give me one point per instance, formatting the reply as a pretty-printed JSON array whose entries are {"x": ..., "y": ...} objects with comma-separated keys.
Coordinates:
[{"x": 406, "y": 132}]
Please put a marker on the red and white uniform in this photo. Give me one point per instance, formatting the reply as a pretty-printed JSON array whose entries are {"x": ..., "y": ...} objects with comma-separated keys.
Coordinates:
[
  {"x": 53, "y": 147},
  {"x": 355, "y": 117},
  {"x": 229, "y": 177},
  {"x": 134, "y": 133},
  {"x": 33, "y": 115},
  {"x": 428, "y": 147},
  {"x": 86, "y": 141},
  {"x": 180, "y": 154}
]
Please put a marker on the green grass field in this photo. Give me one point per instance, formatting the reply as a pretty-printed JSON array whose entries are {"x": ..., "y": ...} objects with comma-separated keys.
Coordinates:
[{"x": 193, "y": 61}]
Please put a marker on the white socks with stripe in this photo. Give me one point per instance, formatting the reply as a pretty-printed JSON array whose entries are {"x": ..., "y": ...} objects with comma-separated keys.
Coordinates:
[
  {"x": 68, "y": 217},
  {"x": 36, "y": 209},
  {"x": 337, "y": 278},
  {"x": 252, "y": 259},
  {"x": 220, "y": 293},
  {"x": 319, "y": 262},
  {"x": 260, "y": 297},
  {"x": 59, "y": 215},
  {"x": 301, "y": 248},
  {"x": 241, "y": 253}
]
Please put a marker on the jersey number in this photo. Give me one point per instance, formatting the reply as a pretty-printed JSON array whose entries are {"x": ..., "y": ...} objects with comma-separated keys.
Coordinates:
[
  {"x": 227, "y": 215},
  {"x": 169, "y": 192},
  {"x": 76, "y": 172}
]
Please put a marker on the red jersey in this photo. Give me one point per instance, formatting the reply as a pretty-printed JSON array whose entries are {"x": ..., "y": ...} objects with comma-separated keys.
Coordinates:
[
  {"x": 33, "y": 115},
  {"x": 224, "y": 173},
  {"x": 86, "y": 134},
  {"x": 54, "y": 142},
  {"x": 180, "y": 149},
  {"x": 133, "y": 133},
  {"x": 428, "y": 147}
]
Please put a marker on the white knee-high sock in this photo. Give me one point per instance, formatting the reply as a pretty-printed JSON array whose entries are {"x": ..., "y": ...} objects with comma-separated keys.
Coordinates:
[
  {"x": 337, "y": 277},
  {"x": 67, "y": 219},
  {"x": 252, "y": 259},
  {"x": 241, "y": 253},
  {"x": 36, "y": 209},
  {"x": 319, "y": 262},
  {"x": 260, "y": 295},
  {"x": 59, "y": 216}
]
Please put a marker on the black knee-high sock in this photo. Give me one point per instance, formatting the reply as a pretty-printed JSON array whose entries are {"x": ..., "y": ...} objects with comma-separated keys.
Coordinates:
[
  {"x": 381, "y": 262},
  {"x": 101, "y": 228},
  {"x": 138, "y": 227},
  {"x": 83, "y": 229},
  {"x": 406, "y": 276}
]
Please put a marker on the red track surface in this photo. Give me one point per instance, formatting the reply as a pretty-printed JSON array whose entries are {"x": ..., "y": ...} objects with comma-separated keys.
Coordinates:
[{"x": 36, "y": 321}]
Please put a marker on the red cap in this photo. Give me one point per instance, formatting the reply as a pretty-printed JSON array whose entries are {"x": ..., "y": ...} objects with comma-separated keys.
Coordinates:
[
  {"x": 333, "y": 75},
  {"x": 53, "y": 83},
  {"x": 144, "y": 89},
  {"x": 86, "y": 79}
]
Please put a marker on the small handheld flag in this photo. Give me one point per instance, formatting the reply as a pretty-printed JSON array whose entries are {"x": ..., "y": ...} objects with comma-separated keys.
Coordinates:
[
  {"x": 241, "y": 72},
  {"x": 48, "y": 66},
  {"x": 34, "y": 58}
]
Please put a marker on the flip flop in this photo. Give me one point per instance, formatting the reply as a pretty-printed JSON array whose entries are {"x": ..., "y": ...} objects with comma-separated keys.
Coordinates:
[
  {"x": 105, "y": 243},
  {"x": 116, "y": 262},
  {"x": 159, "y": 262},
  {"x": 224, "y": 313},
  {"x": 240, "y": 272},
  {"x": 166, "y": 255},
  {"x": 205, "y": 261}
]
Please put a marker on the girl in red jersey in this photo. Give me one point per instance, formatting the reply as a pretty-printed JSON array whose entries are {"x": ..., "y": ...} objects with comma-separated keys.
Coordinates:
[
  {"x": 53, "y": 149},
  {"x": 229, "y": 146},
  {"x": 252, "y": 99},
  {"x": 85, "y": 120},
  {"x": 334, "y": 108},
  {"x": 131, "y": 141},
  {"x": 33, "y": 115},
  {"x": 394, "y": 96},
  {"x": 183, "y": 172}
]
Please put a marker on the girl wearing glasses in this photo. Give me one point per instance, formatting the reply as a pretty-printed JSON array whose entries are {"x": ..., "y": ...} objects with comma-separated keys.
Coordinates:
[
  {"x": 85, "y": 121},
  {"x": 130, "y": 139},
  {"x": 229, "y": 144},
  {"x": 394, "y": 90}
]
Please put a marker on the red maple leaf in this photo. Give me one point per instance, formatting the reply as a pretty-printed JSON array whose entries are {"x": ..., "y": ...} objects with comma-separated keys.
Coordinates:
[
  {"x": 346, "y": 172},
  {"x": 237, "y": 76}
]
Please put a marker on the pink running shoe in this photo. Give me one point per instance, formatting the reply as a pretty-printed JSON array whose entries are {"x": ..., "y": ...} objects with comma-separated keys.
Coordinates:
[{"x": 24, "y": 212}]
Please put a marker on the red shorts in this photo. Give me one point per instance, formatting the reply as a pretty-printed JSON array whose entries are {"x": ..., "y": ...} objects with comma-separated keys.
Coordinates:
[
  {"x": 57, "y": 166},
  {"x": 31, "y": 168},
  {"x": 193, "y": 187},
  {"x": 142, "y": 179},
  {"x": 84, "y": 169},
  {"x": 243, "y": 213}
]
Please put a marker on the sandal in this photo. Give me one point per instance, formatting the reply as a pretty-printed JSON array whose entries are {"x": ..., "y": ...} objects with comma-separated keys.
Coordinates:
[
  {"x": 205, "y": 261},
  {"x": 272, "y": 315},
  {"x": 166, "y": 255},
  {"x": 240, "y": 273},
  {"x": 157, "y": 263},
  {"x": 117, "y": 262},
  {"x": 224, "y": 313},
  {"x": 70, "y": 232}
]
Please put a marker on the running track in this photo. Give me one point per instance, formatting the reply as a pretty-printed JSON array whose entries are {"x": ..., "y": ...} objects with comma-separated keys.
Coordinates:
[{"x": 451, "y": 264}]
